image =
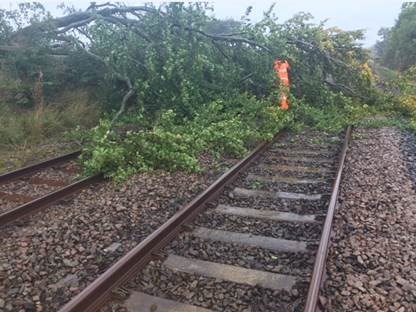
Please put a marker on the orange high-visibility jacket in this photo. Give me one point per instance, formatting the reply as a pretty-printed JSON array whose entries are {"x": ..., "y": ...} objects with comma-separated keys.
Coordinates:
[{"x": 282, "y": 70}]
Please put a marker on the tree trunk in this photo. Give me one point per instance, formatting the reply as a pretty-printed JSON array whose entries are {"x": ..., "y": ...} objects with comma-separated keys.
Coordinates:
[{"x": 38, "y": 92}]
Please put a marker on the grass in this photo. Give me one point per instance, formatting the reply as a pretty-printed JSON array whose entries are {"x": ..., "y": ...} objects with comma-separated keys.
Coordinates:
[
  {"x": 28, "y": 135},
  {"x": 318, "y": 141},
  {"x": 386, "y": 74},
  {"x": 18, "y": 156},
  {"x": 388, "y": 121},
  {"x": 31, "y": 126},
  {"x": 256, "y": 185}
]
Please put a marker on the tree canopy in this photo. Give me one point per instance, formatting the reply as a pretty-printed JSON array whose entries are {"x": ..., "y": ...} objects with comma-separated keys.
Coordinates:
[
  {"x": 178, "y": 56},
  {"x": 397, "y": 46}
]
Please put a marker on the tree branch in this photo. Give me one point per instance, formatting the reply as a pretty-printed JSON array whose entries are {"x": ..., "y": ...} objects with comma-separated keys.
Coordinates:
[
  {"x": 94, "y": 6},
  {"x": 65, "y": 23},
  {"x": 216, "y": 45},
  {"x": 121, "y": 77},
  {"x": 10, "y": 48},
  {"x": 127, "y": 23},
  {"x": 76, "y": 25},
  {"x": 225, "y": 38},
  {"x": 310, "y": 46},
  {"x": 126, "y": 97},
  {"x": 344, "y": 88}
]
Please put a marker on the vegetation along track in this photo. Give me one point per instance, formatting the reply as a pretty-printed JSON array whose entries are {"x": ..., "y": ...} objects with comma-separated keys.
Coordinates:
[
  {"x": 255, "y": 240},
  {"x": 30, "y": 188}
]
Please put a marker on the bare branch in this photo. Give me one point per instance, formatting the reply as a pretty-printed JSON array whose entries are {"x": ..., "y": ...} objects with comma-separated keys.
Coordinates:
[
  {"x": 344, "y": 88},
  {"x": 311, "y": 46},
  {"x": 63, "y": 38},
  {"x": 233, "y": 34},
  {"x": 126, "y": 97},
  {"x": 246, "y": 77},
  {"x": 225, "y": 38},
  {"x": 76, "y": 25},
  {"x": 94, "y": 6},
  {"x": 220, "y": 49},
  {"x": 127, "y": 23},
  {"x": 84, "y": 33},
  {"x": 10, "y": 48},
  {"x": 74, "y": 20}
]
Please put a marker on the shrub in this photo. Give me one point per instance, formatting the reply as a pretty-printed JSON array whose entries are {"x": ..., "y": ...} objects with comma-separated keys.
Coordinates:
[
  {"x": 406, "y": 104},
  {"x": 334, "y": 117}
]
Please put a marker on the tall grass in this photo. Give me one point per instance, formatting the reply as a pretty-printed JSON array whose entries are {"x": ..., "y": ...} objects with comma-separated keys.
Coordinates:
[
  {"x": 31, "y": 126},
  {"x": 386, "y": 74}
]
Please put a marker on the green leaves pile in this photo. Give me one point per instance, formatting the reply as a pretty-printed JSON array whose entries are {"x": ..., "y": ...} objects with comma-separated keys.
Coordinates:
[{"x": 220, "y": 128}]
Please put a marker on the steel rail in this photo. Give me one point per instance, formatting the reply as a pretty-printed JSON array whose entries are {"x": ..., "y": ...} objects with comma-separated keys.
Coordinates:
[
  {"x": 46, "y": 200},
  {"x": 9, "y": 176},
  {"x": 94, "y": 295},
  {"x": 321, "y": 255}
]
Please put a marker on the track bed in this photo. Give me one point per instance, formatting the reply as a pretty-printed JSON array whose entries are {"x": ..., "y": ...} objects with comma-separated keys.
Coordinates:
[
  {"x": 253, "y": 248},
  {"x": 48, "y": 257},
  {"x": 30, "y": 183}
]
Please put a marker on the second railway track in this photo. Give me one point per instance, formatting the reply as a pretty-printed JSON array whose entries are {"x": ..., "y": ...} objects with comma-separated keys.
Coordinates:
[
  {"x": 26, "y": 190},
  {"x": 255, "y": 240}
]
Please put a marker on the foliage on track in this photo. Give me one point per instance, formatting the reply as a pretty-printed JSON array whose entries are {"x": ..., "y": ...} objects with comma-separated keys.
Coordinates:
[{"x": 167, "y": 144}]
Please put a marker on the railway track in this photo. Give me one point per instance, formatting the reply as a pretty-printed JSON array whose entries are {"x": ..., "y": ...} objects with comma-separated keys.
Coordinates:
[
  {"x": 255, "y": 240},
  {"x": 31, "y": 188}
]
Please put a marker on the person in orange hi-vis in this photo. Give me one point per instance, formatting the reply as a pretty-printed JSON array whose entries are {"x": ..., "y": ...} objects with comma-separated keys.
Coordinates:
[{"x": 282, "y": 70}]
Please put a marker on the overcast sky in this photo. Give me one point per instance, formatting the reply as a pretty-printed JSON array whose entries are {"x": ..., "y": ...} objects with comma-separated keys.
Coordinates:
[{"x": 369, "y": 15}]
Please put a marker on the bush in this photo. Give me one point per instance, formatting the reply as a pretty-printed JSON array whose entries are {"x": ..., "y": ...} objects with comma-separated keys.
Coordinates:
[
  {"x": 406, "y": 104},
  {"x": 334, "y": 117}
]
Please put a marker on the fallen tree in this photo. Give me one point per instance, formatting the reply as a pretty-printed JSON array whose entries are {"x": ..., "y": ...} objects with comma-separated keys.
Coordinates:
[{"x": 176, "y": 56}]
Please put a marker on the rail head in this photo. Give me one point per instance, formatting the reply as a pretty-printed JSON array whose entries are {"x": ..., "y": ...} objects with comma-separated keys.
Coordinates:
[
  {"x": 12, "y": 175},
  {"x": 46, "y": 200},
  {"x": 321, "y": 255}
]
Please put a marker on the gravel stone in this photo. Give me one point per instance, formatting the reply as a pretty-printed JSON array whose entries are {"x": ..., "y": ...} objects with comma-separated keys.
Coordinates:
[
  {"x": 55, "y": 253},
  {"x": 276, "y": 229},
  {"x": 300, "y": 264},
  {"x": 372, "y": 260},
  {"x": 24, "y": 185},
  {"x": 214, "y": 294}
]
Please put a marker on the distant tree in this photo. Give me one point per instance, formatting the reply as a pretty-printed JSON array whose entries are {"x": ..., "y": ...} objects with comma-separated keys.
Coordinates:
[
  {"x": 398, "y": 45},
  {"x": 223, "y": 27},
  {"x": 381, "y": 45}
]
